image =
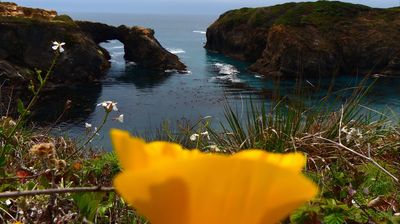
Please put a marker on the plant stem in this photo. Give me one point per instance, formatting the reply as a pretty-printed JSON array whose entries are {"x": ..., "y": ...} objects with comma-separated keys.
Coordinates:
[
  {"x": 98, "y": 129},
  {"x": 14, "y": 194},
  {"x": 34, "y": 98},
  {"x": 92, "y": 136}
]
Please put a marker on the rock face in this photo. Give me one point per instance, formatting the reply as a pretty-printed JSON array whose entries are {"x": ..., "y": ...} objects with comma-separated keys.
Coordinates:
[
  {"x": 25, "y": 45},
  {"x": 26, "y": 37},
  {"x": 322, "y": 38},
  {"x": 12, "y": 9}
]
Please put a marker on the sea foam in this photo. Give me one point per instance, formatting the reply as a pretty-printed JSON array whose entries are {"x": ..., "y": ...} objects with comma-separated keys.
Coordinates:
[
  {"x": 176, "y": 50},
  {"x": 227, "y": 73}
]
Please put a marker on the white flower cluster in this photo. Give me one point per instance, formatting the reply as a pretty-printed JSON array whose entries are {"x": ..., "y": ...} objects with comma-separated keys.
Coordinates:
[
  {"x": 108, "y": 106},
  {"x": 194, "y": 137},
  {"x": 352, "y": 134},
  {"x": 111, "y": 106}
]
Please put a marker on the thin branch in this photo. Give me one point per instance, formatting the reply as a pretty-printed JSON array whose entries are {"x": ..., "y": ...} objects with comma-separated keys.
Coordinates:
[
  {"x": 14, "y": 194},
  {"x": 340, "y": 125},
  {"x": 362, "y": 156},
  {"x": 21, "y": 178}
]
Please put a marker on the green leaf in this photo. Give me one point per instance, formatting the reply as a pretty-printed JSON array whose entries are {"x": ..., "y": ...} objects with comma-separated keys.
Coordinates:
[
  {"x": 20, "y": 106},
  {"x": 7, "y": 149},
  {"x": 305, "y": 214},
  {"x": 3, "y": 160},
  {"x": 3, "y": 152},
  {"x": 334, "y": 218},
  {"x": 88, "y": 203}
]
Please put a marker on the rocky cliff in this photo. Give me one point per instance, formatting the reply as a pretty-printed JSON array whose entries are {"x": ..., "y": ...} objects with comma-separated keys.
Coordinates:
[
  {"x": 322, "y": 38},
  {"x": 12, "y": 9},
  {"x": 26, "y": 37}
]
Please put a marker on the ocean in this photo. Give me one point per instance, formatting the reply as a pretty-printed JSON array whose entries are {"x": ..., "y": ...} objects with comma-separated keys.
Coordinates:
[{"x": 149, "y": 99}]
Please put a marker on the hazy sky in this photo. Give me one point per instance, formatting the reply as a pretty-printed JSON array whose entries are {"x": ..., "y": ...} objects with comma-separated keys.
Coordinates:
[{"x": 168, "y": 6}]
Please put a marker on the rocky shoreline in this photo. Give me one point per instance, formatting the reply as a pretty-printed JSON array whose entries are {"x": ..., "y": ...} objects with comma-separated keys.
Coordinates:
[
  {"x": 26, "y": 36},
  {"x": 316, "y": 39}
]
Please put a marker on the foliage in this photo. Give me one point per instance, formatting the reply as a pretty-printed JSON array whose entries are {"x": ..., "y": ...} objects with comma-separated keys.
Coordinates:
[
  {"x": 63, "y": 18},
  {"x": 322, "y": 14}
]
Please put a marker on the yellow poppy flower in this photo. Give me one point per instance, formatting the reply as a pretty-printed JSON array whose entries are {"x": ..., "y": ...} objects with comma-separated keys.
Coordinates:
[{"x": 170, "y": 185}]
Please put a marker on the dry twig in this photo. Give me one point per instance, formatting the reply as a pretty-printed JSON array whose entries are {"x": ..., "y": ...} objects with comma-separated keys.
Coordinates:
[
  {"x": 362, "y": 156},
  {"x": 14, "y": 194}
]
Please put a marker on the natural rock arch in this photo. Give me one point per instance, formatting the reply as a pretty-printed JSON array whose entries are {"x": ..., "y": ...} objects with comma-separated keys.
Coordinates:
[
  {"x": 140, "y": 46},
  {"x": 27, "y": 35}
]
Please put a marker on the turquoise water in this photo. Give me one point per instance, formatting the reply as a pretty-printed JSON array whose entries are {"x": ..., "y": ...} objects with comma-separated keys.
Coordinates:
[{"x": 148, "y": 98}]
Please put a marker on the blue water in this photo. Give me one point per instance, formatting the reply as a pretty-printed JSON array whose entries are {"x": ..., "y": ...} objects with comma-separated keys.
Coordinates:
[{"x": 149, "y": 98}]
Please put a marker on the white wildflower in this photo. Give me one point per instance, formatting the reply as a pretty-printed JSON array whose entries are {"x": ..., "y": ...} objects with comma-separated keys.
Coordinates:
[
  {"x": 194, "y": 137},
  {"x": 120, "y": 118},
  {"x": 58, "y": 46},
  {"x": 355, "y": 204},
  {"x": 352, "y": 134},
  {"x": 206, "y": 134},
  {"x": 87, "y": 125},
  {"x": 214, "y": 148},
  {"x": 96, "y": 131},
  {"x": 359, "y": 134},
  {"x": 8, "y": 202},
  {"x": 108, "y": 106},
  {"x": 12, "y": 123}
]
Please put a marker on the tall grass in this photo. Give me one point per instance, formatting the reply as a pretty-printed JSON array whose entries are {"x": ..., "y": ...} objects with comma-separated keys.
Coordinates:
[
  {"x": 351, "y": 130},
  {"x": 353, "y": 150}
]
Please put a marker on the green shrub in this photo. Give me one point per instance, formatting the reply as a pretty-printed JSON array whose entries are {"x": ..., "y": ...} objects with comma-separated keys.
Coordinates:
[{"x": 63, "y": 18}]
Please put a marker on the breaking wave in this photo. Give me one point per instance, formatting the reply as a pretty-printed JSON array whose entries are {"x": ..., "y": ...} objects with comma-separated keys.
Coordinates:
[
  {"x": 176, "y": 50},
  {"x": 199, "y": 31},
  {"x": 227, "y": 73}
]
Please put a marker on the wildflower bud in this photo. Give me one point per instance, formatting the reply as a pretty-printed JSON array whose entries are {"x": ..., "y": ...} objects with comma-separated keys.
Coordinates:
[
  {"x": 214, "y": 148},
  {"x": 120, "y": 118},
  {"x": 59, "y": 164},
  {"x": 68, "y": 104},
  {"x": 194, "y": 137},
  {"x": 43, "y": 150},
  {"x": 77, "y": 166},
  {"x": 12, "y": 123},
  {"x": 206, "y": 134}
]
